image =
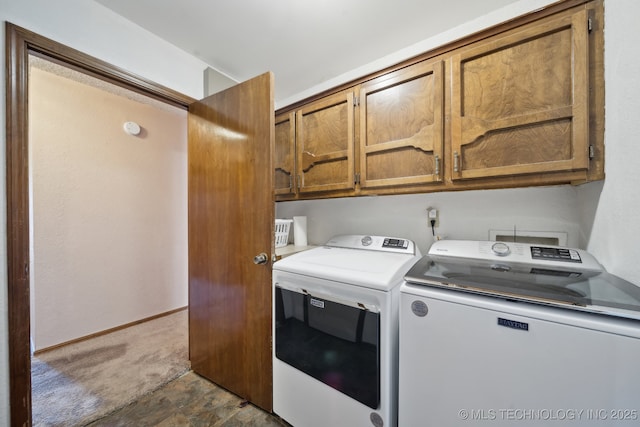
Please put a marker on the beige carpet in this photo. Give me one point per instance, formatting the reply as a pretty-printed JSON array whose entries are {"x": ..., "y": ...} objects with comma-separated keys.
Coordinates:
[{"x": 81, "y": 382}]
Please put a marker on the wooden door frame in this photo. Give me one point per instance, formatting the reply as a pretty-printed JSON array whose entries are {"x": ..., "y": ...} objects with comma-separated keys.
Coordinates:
[{"x": 20, "y": 43}]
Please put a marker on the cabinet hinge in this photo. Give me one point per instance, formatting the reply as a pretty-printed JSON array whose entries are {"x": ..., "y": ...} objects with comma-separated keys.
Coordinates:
[
  {"x": 592, "y": 152},
  {"x": 590, "y": 24},
  {"x": 357, "y": 178}
]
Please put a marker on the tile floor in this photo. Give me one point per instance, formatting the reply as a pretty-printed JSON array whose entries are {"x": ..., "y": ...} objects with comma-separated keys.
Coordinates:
[{"x": 190, "y": 401}]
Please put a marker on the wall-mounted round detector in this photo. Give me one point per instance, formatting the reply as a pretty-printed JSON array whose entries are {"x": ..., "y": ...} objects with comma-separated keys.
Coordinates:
[{"x": 132, "y": 128}]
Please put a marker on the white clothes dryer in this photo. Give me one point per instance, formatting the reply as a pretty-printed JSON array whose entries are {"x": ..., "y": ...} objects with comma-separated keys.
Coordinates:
[{"x": 335, "y": 328}]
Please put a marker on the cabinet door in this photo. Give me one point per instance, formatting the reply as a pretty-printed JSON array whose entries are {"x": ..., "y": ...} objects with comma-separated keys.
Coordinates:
[
  {"x": 324, "y": 138},
  {"x": 285, "y": 140},
  {"x": 401, "y": 127},
  {"x": 520, "y": 102}
]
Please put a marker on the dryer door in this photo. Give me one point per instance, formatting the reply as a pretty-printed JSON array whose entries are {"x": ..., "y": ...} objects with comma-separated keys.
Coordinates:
[{"x": 336, "y": 342}]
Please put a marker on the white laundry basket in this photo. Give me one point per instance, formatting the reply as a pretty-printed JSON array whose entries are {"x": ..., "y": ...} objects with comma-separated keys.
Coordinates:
[{"x": 282, "y": 232}]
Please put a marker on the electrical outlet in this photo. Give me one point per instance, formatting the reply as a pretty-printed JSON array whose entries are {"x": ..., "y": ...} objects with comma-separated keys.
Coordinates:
[{"x": 432, "y": 214}]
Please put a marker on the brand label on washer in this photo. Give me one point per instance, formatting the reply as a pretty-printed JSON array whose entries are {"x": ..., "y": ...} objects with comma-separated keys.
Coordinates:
[
  {"x": 513, "y": 324},
  {"x": 376, "y": 420},
  {"x": 317, "y": 303},
  {"x": 419, "y": 308}
]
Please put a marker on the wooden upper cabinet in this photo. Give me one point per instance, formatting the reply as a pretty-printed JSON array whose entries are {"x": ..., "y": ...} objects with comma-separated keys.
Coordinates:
[
  {"x": 284, "y": 156},
  {"x": 401, "y": 127},
  {"x": 520, "y": 102},
  {"x": 325, "y": 138}
]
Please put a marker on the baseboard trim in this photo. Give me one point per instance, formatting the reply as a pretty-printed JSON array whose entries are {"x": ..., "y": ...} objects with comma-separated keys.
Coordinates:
[{"x": 108, "y": 331}]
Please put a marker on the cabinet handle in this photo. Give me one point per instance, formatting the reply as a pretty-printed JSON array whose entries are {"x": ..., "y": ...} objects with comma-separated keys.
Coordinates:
[
  {"x": 290, "y": 183},
  {"x": 437, "y": 166},
  {"x": 456, "y": 162}
]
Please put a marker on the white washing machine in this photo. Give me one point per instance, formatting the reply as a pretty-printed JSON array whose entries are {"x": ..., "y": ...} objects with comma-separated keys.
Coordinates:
[
  {"x": 517, "y": 334},
  {"x": 335, "y": 329}
]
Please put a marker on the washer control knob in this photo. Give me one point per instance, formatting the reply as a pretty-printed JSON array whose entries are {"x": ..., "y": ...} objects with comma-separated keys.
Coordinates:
[
  {"x": 366, "y": 241},
  {"x": 501, "y": 249}
]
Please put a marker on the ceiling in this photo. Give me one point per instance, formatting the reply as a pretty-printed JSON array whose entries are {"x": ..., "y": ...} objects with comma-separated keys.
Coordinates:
[{"x": 304, "y": 42}]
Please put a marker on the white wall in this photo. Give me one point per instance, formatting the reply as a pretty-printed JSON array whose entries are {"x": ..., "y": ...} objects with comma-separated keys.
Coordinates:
[
  {"x": 215, "y": 81},
  {"x": 92, "y": 29},
  {"x": 614, "y": 233},
  {"x": 462, "y": 215},
  {"x": 109, "y": 210}
]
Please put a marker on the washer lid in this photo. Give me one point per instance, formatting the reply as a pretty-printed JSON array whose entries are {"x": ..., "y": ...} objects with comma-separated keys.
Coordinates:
[
  {"x": 370, "y": 268},
  {"x": 565, "y": 283}
]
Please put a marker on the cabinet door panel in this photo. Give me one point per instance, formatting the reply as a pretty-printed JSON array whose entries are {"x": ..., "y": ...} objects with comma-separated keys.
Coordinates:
[
  {"x": 285, "y": 139},
  {"x": 401, "y": 127},
  {"x": 520, "y": 102},
  {"x": 325, "y": 144}
]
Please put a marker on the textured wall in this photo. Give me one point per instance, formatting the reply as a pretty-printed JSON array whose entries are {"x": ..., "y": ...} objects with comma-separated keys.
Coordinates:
[{"x": 109, "y": 210}]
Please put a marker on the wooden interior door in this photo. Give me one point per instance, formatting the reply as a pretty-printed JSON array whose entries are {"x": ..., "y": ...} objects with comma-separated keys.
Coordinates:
[{"x": 231, "y": 220}]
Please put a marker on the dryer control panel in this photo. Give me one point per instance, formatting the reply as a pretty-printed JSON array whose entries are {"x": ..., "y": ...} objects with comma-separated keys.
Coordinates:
[
  {"x": 374, "y": 243},
  {"x": 390, "y": 242}
]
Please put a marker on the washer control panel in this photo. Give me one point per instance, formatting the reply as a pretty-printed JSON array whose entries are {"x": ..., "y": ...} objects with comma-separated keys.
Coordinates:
[
  {"x": 556, "y": 254},
  {"x": 515, "y": 253}
]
